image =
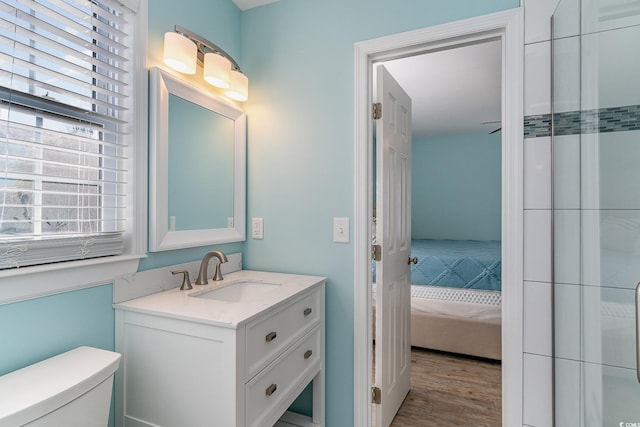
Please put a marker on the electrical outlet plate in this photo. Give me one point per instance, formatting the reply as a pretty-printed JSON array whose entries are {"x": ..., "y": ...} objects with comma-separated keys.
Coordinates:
[{"x": 257, "y": 228}]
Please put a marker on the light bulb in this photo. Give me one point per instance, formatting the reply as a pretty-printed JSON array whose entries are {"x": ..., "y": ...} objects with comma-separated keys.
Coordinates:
[
  {"x": 180, "y": 53},
  {"x": 239, "y": 89},
  {"x": 216, "y": 70}
]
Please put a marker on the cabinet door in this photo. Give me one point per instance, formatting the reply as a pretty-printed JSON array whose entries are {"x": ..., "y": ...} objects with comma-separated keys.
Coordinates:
[{"x": 170, "y": 371}]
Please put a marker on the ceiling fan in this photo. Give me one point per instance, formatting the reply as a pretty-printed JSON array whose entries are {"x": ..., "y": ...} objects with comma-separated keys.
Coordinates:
[{"x": 490, "y": 122}]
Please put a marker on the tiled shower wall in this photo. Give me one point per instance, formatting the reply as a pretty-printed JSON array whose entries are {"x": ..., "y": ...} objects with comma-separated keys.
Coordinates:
[
  {"x": 599, "y": 105},
  {"x": 537, "y": 334},
  {"x": 598, "y": 220}
]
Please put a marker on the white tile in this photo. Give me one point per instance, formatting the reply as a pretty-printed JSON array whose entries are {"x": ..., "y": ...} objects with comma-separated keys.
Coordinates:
[
  {"x": 567, "y": 391},
  {"x": 613, "y": 395},
  {"x": 537, "y": 78},
  {"x": 610, "y": 65},
  {"x": 537, "y": 318},
  {"x": 567, "y": 301},
  {"x": 537, "y": 173},
  {"x": 537, "y": 245},
  {"x": 591, "y": 251},
  {"x": 537, "y": 20},
  {"x": 566, "y": 171},
  {"x": 610, "y": 172},
  {"x": 566, "y": 19},
  {"x": 605, "y": 15},
  {"x": 566, "y": 75},
  {"x": 567, "y": 246},
  {"x": 537, "y": 390},
  {"x": 611, "y": 248},
  {"x": 592, "y": 387},
  {"x": 609, "y": 326}
]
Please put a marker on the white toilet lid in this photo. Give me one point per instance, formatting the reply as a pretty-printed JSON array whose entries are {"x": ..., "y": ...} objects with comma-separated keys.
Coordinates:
[{"x": 38, "y": 389}]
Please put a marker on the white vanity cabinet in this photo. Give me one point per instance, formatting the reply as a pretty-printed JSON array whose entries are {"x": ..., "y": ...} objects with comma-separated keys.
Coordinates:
[{"x": 185, "y": 366}]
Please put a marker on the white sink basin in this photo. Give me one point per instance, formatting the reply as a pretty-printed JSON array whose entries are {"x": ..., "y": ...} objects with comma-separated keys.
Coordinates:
[{"x": 245, "y": 290}]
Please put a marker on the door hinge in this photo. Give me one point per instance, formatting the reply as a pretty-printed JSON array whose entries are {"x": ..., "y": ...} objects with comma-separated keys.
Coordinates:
[
  {"x": 376, "y": 253},
  {"x": 376, "y": 395},
  {"x": 377, "y": 110}
]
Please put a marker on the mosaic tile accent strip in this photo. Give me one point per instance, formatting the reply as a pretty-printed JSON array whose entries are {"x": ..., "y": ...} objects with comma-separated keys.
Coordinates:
[
  {"x": 537, "y": 126},
  {"x": 603, "y": 120}
]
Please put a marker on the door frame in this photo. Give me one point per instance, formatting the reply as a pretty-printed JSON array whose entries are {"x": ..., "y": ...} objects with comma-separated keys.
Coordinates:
[{"x": 508, "y": 26}]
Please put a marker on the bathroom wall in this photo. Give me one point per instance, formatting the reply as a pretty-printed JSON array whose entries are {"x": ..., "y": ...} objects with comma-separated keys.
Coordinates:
[
  {"x": 298, "y": 55},
  {"x": 456, "y": 187},
  {"x": 36, "y": 329}
]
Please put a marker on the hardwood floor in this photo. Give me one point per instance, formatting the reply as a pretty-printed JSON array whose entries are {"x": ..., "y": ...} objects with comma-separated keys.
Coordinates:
[{"x": 449, "y": 390}]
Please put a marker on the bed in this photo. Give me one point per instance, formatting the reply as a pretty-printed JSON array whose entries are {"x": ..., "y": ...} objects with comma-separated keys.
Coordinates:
[{"x": 456, "y": 296}]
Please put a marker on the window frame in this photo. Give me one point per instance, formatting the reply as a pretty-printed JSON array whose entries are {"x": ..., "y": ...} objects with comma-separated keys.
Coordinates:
[{"x": 19, "y": 284}]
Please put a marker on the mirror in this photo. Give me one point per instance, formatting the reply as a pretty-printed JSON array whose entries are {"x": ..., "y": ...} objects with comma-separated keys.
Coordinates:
[{"x": 197, "y": 149}]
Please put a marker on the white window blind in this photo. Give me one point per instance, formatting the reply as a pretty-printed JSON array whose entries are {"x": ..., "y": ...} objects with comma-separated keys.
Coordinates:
[{"x": 63, "y": 123}]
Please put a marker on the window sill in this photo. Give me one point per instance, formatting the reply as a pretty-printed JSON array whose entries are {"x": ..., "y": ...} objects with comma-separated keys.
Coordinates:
[{"x": 38, "y": 281}]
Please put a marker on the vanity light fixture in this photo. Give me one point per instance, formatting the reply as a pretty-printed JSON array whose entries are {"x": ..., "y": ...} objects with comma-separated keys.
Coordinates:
[
  {"x": 180, "y": 53},
  {"x": 184, "y": 49}
]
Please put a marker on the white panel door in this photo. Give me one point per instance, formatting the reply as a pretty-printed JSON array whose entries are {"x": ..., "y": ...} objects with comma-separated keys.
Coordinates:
[{"x": 393, "y": 234}]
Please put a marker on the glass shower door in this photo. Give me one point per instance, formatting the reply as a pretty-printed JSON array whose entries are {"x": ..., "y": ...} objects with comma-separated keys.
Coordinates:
[{"x": 596, "y": 211}]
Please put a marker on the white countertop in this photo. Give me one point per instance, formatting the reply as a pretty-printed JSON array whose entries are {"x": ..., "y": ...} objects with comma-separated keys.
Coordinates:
[{"x": 178, "y": 304}]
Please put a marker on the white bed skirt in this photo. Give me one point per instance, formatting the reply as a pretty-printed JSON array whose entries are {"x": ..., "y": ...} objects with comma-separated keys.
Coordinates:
[
  {"x": 466, "y": 321},
  {"x": 473, "y": 303}
]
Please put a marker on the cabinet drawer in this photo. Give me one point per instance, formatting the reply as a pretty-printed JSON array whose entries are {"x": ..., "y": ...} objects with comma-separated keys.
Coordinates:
[
  {"x": 267, "y": 395},
  {"x": 268, "y": 337}
]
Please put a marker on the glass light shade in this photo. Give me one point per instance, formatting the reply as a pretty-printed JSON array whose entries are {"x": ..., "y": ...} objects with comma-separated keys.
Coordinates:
[
  {"x": 180, "y": 53},
  {"x": 239, "y": 89},
  {"x": 216, "y": 70}
]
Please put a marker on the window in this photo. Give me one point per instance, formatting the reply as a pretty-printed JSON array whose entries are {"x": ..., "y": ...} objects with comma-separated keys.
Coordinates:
[{"x": 66, "y": 70}]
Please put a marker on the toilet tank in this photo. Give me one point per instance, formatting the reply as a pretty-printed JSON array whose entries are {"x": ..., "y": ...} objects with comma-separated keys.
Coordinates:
[{"x": 70, "y": 389}]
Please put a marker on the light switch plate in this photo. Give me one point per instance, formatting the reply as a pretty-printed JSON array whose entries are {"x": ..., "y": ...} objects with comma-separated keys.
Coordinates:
[
  {"x": 257, "y": 228},
  {"x": 341, "y": 230}
]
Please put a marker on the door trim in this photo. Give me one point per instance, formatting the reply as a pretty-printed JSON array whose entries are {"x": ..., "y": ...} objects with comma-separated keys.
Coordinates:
[{"x": 508, "y": 26}]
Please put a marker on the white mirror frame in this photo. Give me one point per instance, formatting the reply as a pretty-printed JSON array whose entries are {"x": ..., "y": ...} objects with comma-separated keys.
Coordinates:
[{"x": 161, "y": 238}]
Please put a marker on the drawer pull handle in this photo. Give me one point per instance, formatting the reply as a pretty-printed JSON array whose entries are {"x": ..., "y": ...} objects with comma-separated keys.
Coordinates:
[
  {"x": 307, "y": 354},
  {"x": 271, "y": 336},
  {"x": 307, "y": 311},
  {"x": 271, "y": 389}
]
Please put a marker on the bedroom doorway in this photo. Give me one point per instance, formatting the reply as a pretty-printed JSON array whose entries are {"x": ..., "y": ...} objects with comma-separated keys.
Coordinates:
[
  {"x": 453, "y": 234},
  {"x": 502, "y": 26}
]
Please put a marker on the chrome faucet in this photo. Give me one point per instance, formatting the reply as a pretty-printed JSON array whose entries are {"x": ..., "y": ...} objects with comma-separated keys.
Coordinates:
[{"x": 202, "y": 272}]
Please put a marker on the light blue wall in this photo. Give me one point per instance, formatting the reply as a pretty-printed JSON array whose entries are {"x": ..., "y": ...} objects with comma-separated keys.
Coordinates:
[
  {"x": 456, "y": 187},
  {"x": 298, "y": 55},
  {"x": 34, "y": 330}
]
